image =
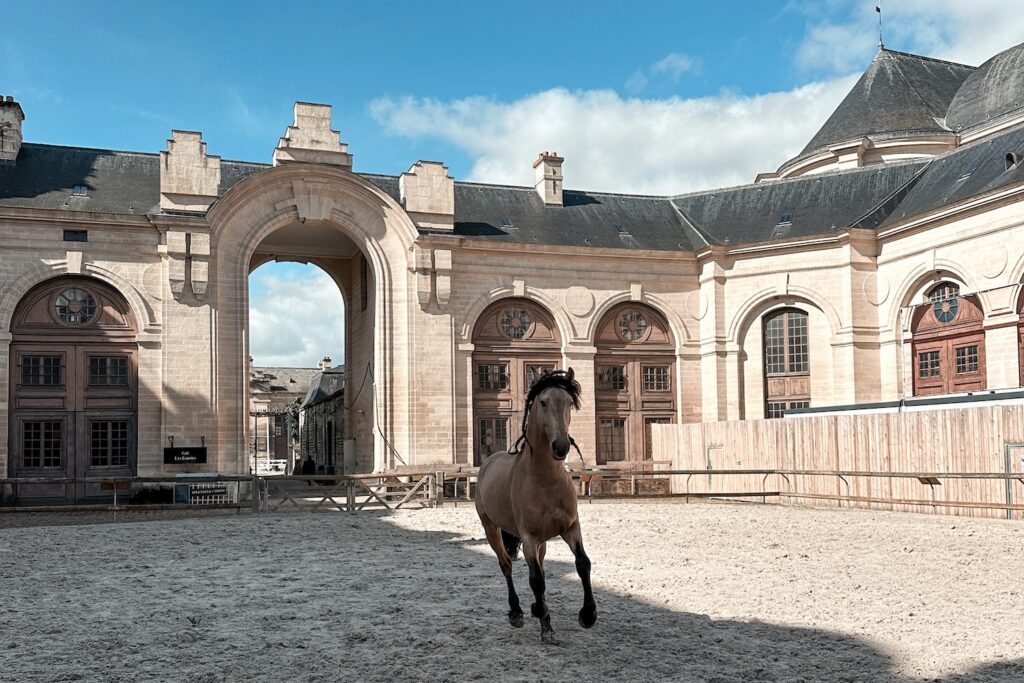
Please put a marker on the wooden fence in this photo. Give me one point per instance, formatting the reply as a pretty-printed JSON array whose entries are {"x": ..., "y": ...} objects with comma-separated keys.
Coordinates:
[{"x": 960, "y": 461}]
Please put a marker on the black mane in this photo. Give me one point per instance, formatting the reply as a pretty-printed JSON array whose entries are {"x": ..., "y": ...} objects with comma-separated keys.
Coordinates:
[{"x": 559, "y": 379}]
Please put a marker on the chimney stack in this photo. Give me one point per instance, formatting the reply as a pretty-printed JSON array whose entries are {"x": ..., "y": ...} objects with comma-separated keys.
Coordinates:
[
  {"x": 11, "y": 117},
  {"x": 547, "y": 177},
  {"x": 325, "y": 364}
]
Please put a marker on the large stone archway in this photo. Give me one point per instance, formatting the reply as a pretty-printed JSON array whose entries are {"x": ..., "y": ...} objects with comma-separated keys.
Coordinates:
[{"x": 300, "y": 199}]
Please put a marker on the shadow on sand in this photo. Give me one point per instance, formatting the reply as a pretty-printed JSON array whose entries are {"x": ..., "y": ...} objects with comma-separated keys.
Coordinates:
[{"x": 331, "y": 597}]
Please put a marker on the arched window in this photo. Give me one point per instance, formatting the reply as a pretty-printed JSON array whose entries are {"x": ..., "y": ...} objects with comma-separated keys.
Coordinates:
[
  {"x": 948, "y": 345},
  {"x": 73, "y": 388},
  {"x": 787, "y": 362},
  {"x": 635, "y": 381},
  {"x": 515, "y": 341}
]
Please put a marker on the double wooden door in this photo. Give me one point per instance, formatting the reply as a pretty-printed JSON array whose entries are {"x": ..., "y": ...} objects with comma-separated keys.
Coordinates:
[{"x": 73, "y": 416}]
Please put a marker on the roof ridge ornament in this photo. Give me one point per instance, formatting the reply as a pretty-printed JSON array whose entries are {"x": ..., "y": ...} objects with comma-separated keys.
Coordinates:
[{"x": 310, "y": 139}]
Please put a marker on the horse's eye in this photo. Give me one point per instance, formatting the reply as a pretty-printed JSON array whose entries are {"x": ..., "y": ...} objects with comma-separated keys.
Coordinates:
[{"x": 544, "y": 404}]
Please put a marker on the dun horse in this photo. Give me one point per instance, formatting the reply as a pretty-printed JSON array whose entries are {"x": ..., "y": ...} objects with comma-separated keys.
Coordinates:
[{"x": 525, "y": 496}]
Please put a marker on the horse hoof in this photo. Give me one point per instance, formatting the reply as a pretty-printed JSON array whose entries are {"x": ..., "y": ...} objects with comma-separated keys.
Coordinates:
[
  {"x": 516, "y": 619},
  {"x": 587, "y": 618},
  {"x": 548, "y": 638}
]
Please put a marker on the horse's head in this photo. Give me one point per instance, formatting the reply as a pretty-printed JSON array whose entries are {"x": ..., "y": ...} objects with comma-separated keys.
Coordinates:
[{"x": 550, "y": 403}]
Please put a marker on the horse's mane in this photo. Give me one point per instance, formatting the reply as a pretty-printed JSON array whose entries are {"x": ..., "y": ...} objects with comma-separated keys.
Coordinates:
[{"x": 559, "y": 379}]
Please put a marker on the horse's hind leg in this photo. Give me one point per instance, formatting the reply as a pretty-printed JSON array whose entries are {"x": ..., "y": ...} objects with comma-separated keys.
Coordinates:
[
  {"x": 534, "y": 553},
  {"x": 515, "y": 612},
  {"x": 574, "y": 538}
]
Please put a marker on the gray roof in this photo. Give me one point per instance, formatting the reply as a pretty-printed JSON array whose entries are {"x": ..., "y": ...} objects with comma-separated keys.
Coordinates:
[
  {"x": 797, "y": 207},
  {"x": 995, "y": 90},
  {"x": 282, "y": 380},
  {"x": 970, "y": 170},
  {"x": 899, "y": 93},
  {"x": 589, "y": 219},
  {"x": 325, "y": 385}
]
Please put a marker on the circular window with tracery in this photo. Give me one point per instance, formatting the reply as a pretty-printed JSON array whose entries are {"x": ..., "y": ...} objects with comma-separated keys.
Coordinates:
[
  {"x": 632, "y": 325},
  {"x": 945, "y": 300},
  {"x": 515, "y": 322},
  {"x": 75, "y": 306}
]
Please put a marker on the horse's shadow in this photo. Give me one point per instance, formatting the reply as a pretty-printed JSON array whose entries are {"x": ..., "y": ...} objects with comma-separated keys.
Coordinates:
[{"x": 635, "y": 640}]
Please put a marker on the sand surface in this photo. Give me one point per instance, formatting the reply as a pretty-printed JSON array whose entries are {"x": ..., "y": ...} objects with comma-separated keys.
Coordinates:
[{"x": 697, "y": 592}]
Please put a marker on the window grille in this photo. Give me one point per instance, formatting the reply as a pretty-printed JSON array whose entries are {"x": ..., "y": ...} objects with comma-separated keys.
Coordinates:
[
  {"x": 611, "y": 377},
  {"x": 42, "y": 445},
  {"x": 656, "y": 378},
  {"x": 41, "y": 371},
  {"x": 108, "y": 445},
  {"x": 492, "y": 376}
]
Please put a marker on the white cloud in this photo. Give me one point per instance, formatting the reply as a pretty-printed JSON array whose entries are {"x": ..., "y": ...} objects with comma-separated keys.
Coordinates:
[
  {"x": 957, "y": 30},
  {"x": 674, "y": 65},
  {"x": 296, "y": 316},
  {"x": 659, "y": 146}
]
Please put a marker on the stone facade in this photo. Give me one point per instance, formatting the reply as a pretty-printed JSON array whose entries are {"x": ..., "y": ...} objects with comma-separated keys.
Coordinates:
[{"x": 849, "y": 249}]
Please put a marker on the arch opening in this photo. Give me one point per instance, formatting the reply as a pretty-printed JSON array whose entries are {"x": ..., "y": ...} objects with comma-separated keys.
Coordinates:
[{"x": 310, "y": 328}]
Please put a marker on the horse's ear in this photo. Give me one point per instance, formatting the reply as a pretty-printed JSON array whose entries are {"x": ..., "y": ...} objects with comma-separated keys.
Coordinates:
[{"x": 569, "y": 373}]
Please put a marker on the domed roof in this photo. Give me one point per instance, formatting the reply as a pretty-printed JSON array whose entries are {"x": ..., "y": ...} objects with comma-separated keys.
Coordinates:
[
  {"x": 994, "y": 90},
  {"x": 898, "y": 94}
]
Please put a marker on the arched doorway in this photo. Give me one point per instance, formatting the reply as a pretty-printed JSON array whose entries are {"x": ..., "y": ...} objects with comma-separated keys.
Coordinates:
[
  {"x": 635, "y": 375},
  {"x": 948, "y": 342},
  {"x": 1020, "y": 335},
  {"x": 787, "y": 362},
  {"x": 73, "y": 389},
  {"x": 514, "y": 342}
]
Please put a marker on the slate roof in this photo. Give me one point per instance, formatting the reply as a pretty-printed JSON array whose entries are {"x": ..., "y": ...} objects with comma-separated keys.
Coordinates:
[
  {"x": 325, "y": 385},
  {"x": 282, "y": 380},
  {"x": 589, "y": 219},
  {"x": 967, "y": 171},
  {"x": 898, "y": 93},
  {"x": 798, "y": 207},
  {"x": 994, "y": 90}
]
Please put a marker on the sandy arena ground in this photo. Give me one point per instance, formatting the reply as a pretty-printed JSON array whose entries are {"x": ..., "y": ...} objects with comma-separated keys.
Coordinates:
[{"x": 696, "y": 592}]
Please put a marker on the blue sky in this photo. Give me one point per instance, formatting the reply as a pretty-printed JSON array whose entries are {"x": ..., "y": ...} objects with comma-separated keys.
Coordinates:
[{"x": 651, "y": 97}]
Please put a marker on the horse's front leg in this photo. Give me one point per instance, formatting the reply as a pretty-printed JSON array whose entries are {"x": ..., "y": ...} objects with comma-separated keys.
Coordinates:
[
  {"x": 574, "y": 539},
  {"x": 515, "y": 612},
  {"x": 534, "y": 553}
]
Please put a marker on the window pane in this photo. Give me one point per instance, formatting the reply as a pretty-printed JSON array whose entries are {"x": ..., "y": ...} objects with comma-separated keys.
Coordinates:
[
  {"x": 41, "y": 444},
  {"x": 535, "y": 372},
  {"x": 611, "y": 441},
  {"x": 797, "y": 341},
  {"x": 492, "y": 376},
  {"x": 943, "y": 292},
  {"x": 611, "y": 377},
  {"x": 41, "y": 371},
  {"x": 656, "y": 378},
  {"x": 967, "y": 359},
  {"x": 492, "y": 435},
  {"x": 776, "y": 409},
  {"x": 774, "y": 349},
  {"x": 108, "y": 371},
  {"x": 928, "y": 364}
]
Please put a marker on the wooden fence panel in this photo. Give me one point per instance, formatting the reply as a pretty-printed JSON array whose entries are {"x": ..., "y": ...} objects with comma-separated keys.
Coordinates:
[{"x": 928, "y": 442}]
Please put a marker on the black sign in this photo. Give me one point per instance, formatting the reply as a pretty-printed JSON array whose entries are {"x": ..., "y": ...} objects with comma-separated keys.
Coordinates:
[{"x": 185, "y": 456}]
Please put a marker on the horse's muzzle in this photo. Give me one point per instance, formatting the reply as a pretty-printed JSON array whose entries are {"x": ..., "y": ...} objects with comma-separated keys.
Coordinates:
[{"x": 560, "y": 449}]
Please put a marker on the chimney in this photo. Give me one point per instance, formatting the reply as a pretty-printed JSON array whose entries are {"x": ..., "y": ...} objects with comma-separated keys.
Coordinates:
[
  {"x": 325, "y": 364},
  {"x": 547, "y": 177},
  {"x": 11, "y": 117}
]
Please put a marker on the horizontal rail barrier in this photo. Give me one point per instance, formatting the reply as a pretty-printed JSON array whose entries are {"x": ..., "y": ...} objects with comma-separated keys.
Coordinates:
[{"x": 428, "y": 487}]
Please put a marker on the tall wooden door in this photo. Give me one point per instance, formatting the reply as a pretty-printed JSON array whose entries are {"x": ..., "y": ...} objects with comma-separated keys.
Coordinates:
[
  {"x": 73, "y": 388},
  {"x": 948, "y": 343},
  {"x": 515, "y": 342},
  {"x": 635, "y": 374}
]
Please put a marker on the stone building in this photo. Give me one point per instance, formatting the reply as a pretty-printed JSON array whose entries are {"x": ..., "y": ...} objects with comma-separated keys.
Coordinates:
[
  {"x": 884, "y": 261},
  {"x": 275, "y": 397},
  {"x": 322, "y": 420}
]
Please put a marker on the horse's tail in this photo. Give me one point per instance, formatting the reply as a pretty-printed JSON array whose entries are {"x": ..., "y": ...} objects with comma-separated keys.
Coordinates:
[{"x": 512, "y": 544}]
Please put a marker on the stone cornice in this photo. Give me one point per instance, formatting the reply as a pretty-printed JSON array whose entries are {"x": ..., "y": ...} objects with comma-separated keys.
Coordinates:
[
  {"x": 78, "y": 219},
  {"x": 469, "y": 244}
]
